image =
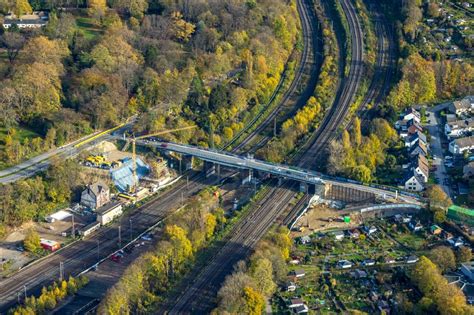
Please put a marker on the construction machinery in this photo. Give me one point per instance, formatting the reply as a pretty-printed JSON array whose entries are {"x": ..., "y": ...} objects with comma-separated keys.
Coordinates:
[{"x": 134, "y": 154}]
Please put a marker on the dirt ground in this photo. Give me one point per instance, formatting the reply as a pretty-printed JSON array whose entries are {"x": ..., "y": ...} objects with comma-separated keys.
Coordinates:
[
  {"x": 14, "y": 239},
  {"x": 321, "y": 217}
]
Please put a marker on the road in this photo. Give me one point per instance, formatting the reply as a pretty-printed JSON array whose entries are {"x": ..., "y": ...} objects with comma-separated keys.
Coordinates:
[
  {"x": 41, "y": 162},
  {"x": 433, "y": 126}
]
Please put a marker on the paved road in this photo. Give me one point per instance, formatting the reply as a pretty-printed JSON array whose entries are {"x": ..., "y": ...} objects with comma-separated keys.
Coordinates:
[
  {"x": 41, "y": 162},
  {"x": 435, "y": 129}
]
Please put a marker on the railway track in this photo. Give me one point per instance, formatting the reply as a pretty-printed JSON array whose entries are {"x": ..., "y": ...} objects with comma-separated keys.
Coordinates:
[
  {"x": 385, "y": 63},
  {"x": 310, "y": 65},
  {"x": 81, "y": 255},
  {"x": 200, "y": 295},
  {"x": 329, "y": 128}
]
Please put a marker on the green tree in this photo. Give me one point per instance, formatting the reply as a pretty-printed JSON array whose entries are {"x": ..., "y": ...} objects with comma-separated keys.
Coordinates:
[
  {"x": 32, "y": 241},
  {"x": 443, "y": 257},
  {"x": 254, "y": 301}
]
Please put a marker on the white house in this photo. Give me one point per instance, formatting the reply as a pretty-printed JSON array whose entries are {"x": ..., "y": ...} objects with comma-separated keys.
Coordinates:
[
  {"x": 459, "y": 146},
  {"x": 414, "y": 182},
  {"x": 413, "y": 139},
  {"x": 410, "y": 114},
  {"x": 95, "y": 195},
  {"x": 109, "y": 212},
  {"x": 464, "y": 106},
  {"x": 338, "y": 235},
  {"x": 35, "y": 20},
  {"x": 344, "y": 264},
  {"x": 421, "y": 167},
  {"x": 458, "y": 128}
]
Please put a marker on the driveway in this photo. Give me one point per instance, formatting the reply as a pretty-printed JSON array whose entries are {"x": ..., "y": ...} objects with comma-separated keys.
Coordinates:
[{"x": 435, "y": 129}]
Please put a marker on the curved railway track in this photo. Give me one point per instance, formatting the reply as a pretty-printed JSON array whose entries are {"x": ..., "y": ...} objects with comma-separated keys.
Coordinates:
[
  {"x": 81, "y": 255},
  {"x": 310, "y": 65},
  {"x": 199, "y": 296},
  {"x": 345, "y": 96}
]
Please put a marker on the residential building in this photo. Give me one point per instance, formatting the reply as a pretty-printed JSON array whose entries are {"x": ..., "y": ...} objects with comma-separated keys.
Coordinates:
[
  {"x": 411, "y": 114},
  {"x": 370, "y": 229},
  {"x": 299, "y": 273},
  {"x": 368, "y": 262},
  {"x": 295, "y": 302},
  {"x": 95, "y": 195},
  {"x": 107, "y": 213},
  {"x": 436, "y": 229},
  {"x": 412, "y": 139},
  {"x": 290, "y": 287},
  {"x": 338, "y": 235},
  {"x": 419, "y": 148},
  {"x": 414, "y": 128},
  {"x": 459, "y": 146},
  {"x": 467, "y": 269},
  {"x": 358, "y": 274},
  {"x": 458, "y": 128},
  {"x": 456, "y": 242},
  {"x": 415, "y": 226},
  {"x": 464, "y": 106},
  {"x": 302, "y": 309},
  {"x": 421, "y": 167},
  {"x": 89, "y": 229},
  {"x": 411, "y": 259},
  {"x": 468, "y": 170},
  {"x": 414, "y": 182},
  {"x": 35, "y": 20},
  {"x": 305, "y": 240},
  {"x": 343, "y": 264}
]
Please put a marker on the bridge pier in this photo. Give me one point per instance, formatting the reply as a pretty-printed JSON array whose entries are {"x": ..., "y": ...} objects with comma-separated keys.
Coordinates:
[
  {"x": 247, "y": 176},
  {"x": 188, "y": 161},
  {"x": 209, "y": 169}
]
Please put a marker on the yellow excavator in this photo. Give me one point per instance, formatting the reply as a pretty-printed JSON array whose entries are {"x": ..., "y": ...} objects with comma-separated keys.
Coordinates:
[{"x": 134, "y": 155}]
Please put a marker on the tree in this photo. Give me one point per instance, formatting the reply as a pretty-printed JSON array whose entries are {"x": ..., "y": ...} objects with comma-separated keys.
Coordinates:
[
  {"x": 356, "y": 132},
  {"x": 21, "y": 7},
  {"x": 13, "y": 42},
  {"x": 254, "y": 301},
  {"x": 463, "y": 254},
  {"x": 32, "y": 241},
  {"x": 443, "y": 257},
  {"x": 97, "y": 7},
  {"x": 438, "y": 199},
  {"x": 261, "y": 271}
]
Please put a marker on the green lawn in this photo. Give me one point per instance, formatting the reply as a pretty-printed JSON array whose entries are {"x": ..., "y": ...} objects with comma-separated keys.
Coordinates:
[{"x": 88, "y": 27}]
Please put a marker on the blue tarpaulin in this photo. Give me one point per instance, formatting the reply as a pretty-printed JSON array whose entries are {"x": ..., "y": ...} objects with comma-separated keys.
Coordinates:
[{"x": 123, "y": 176}]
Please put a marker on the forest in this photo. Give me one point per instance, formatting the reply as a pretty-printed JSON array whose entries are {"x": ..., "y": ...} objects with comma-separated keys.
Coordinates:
[{"x": 97, "y": 63}]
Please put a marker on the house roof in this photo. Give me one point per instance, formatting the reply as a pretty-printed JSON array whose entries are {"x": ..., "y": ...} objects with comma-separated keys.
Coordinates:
[
  {"x": 464, "y": 142},
  {"x": 409, "y": 111},
  {"x": 420, "y": 147},
  {"x": 98, "y": 187},
  {"x": 411, "y": 174},
  {"x": 422, "y": 163},
  {"x": 461, "y": 124},
  {"x": 108, "y": 207},
  {"x": 417, "y": 135},
  {"x": 465, "y": 103},
  {"x": 414, "y": 128},
  {"x": 468, "y": 169}
]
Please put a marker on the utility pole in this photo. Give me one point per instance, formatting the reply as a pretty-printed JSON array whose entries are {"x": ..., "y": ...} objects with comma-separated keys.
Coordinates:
[
  {"x": 120, "y": 236},
  {"x": 73, "y": 232},
  {"x": 61, "y": 271},
  {"x": 24, "y": 289},
  {"x": 274, "y": 127}
]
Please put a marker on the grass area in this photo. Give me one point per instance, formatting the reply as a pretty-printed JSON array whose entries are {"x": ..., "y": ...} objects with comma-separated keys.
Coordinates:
[
  {"x": 88, "y": 27},
  {"x": 21, "y": 134}
]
